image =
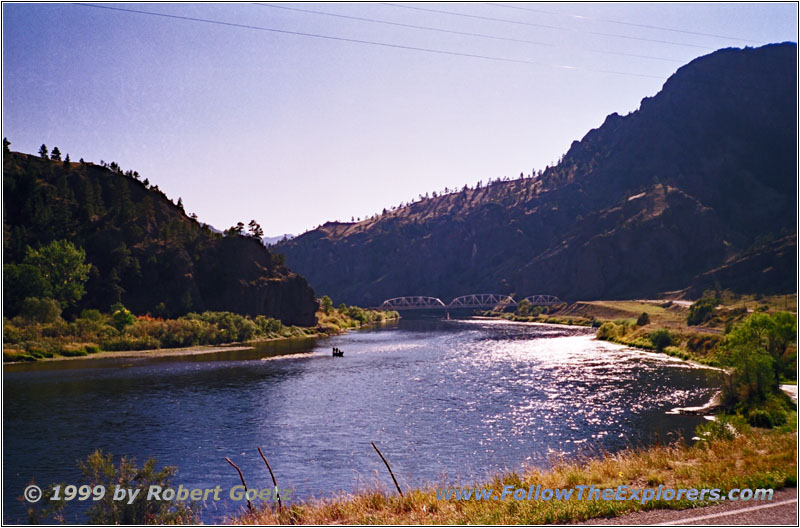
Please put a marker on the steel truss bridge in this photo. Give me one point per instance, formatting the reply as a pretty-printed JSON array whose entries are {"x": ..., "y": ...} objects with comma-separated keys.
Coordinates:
[{"x": 474, "y": 300}]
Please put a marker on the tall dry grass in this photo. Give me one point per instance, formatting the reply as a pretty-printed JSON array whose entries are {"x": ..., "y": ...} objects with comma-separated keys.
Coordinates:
[{"x": 754, "y": 459}]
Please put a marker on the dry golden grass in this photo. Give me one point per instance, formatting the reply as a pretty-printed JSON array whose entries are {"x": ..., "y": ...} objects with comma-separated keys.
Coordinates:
[
  {"x": 756, "y": 459},
  {"x": 670, "y": 316},
  {"x": 786, "y": 303}
]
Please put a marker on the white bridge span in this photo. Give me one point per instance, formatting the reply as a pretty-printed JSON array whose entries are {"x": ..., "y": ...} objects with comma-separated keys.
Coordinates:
[{"x": 474, "y": 300}]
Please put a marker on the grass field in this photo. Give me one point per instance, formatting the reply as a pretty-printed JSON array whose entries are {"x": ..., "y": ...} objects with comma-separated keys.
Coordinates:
[
  {"x": 754, "y": 458},
  {"x": 661, "y": 313}
]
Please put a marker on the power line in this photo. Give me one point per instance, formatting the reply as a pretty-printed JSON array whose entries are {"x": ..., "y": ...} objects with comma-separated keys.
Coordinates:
[
  {"x": 359, "y": 41},
  {"x": 560, "y": 28},
  {"x": 612, "y": 21},
  {"x": 465, "y": 33},
  {"x": 400, "y": 24}
]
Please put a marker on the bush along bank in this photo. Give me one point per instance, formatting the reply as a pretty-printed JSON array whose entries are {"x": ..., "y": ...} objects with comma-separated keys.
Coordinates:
[
  {"x": 39, "y": 332},
  {"x": 755, "y": 347},
  {"x": 757, "y": 353}
]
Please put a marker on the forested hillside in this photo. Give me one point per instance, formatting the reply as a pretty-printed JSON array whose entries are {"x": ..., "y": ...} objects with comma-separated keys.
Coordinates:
[
  {"x": 695, "y": 189},
  {"x": 140, "y": 247}
]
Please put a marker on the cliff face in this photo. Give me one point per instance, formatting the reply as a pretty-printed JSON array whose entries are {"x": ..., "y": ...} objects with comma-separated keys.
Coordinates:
[
  {"x": 703, "y": 172},
  {"x": 144, "y": 250}
]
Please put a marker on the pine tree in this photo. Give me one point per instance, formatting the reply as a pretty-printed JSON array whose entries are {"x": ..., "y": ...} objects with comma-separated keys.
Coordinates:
[
  {"x": 43, "y": 151},
  {"x": 255, "y": 230},
  {"x": 56, "y": 154}
]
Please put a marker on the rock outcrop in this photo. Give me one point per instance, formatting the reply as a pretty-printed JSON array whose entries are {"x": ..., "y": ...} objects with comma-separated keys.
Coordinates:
[{"x": 648, "y": 202}]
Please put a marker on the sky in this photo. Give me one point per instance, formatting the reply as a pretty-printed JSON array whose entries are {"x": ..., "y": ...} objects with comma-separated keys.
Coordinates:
[{"x": 246, "y": 112}]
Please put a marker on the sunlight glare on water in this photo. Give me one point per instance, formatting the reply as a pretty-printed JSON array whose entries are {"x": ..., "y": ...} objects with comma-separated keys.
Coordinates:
[{"x": 446, "y": 401}]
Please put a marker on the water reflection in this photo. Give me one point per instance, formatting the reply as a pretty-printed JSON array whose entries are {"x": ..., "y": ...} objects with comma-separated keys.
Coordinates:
[{"x": 447, "y": 401}]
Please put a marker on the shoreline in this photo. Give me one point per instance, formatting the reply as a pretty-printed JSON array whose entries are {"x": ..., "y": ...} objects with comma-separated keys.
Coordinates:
[
  {"x": 199, "y": 350},
  {"x": 706, "y": 410},
  {"x": 770, "y": 457}
]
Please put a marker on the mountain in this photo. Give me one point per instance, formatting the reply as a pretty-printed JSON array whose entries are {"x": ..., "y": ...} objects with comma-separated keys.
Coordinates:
[
  {"x": 144, "y": 250},
  {"x": 701, "y": 174},
  {"x": 273, "y": 239}
]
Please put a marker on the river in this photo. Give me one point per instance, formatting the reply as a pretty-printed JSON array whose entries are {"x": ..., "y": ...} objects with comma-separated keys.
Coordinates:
[{"x": 446, "y": 401}]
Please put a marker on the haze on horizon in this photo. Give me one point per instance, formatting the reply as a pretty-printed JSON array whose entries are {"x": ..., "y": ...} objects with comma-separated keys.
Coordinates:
[{"x": 293, "y": 130}]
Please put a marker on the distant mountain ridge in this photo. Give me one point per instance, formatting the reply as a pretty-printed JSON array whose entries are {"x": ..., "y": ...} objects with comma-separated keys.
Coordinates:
[
  {"x": 270, "y": 240},
  {"x": 651, "y": 202},
  {"x": 144, "y": 250}
]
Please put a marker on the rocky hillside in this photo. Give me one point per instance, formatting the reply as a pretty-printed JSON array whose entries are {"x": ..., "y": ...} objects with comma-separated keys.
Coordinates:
[
  {"x": 701, "y": 175},
  {"x": 143, "y": 249}
]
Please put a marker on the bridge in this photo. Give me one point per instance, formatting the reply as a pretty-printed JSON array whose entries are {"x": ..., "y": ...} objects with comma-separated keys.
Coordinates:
[{"x": 474, "y": 300}]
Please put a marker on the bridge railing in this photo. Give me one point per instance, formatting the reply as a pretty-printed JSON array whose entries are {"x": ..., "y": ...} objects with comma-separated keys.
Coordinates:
[
  {"x": 473, "y": 300},
  {"x": 482, "y": 300},
  {"x": 412, "y": 303},
  {"x": 543, "y": 300}
]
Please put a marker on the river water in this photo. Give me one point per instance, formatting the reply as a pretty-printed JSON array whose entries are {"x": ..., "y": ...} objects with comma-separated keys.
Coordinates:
[{"x": 446, "y": 401}]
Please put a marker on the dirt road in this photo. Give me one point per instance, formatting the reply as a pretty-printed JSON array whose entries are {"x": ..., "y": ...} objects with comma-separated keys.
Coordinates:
[{"x": 781, "y": 510}]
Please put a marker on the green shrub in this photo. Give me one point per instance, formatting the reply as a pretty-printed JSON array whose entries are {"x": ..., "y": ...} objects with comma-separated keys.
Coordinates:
[
  {"x": 176, "y": 332},
  {"x": 643, "y": 320},
  {"x": 11, "y": 333},
  {"x": 723, "y": 427},
  {"x": 43, "y": 310},
  {"x": 661, "y": 339},
  {"x": 39, "y": 352},
  {"x": 326, "y": 304},
  {"x": 703, "y": 344},
  {"x": 58, "y": 328},
  {"x": 9, "y": 356},
  {"x": 640, "y": 342},
  {"x": 760, "y": 418},
  {"x": 92, "y": 315},
  {"x": 121, "y": 316},
  {"x": 701, "y": 310},
  {"x": 123, "y": 343},
  {"x": 771, "y": 414},
  {"x": 268, "y": 325},
  {"x": 99, "y": 469},
  {"x": 92, "y": 329},
  {"x": 232, "y": 327},
  {"x": 607, "y": 331},
  {"x": 357, "y": 313},
  {"x": 757, "y": 349},
  {"x": 73, "y": 352}
]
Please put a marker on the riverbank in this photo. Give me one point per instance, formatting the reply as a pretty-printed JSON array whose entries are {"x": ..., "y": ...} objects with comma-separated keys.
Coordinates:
[
  {"x": 660, "y": 325},
  {"x": 752, "y": 458},
  {"x": 96, "y": 336}
]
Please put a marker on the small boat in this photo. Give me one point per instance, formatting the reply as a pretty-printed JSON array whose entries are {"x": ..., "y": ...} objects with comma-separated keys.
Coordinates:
[{"x": 338, "y": 352}]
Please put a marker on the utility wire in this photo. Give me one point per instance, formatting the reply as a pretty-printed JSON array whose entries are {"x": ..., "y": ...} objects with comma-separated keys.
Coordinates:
[
  {"x": 466, "y": 33},
  {"x": 560, "y": 28},
  {"x": 400, "y": 24},
  {"x": 359, "y": 41},
  {"x": 612, "y": 21}
]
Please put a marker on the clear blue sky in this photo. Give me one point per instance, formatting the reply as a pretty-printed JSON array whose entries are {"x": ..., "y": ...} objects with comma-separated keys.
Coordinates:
[{"x": 293, "y": 131}]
